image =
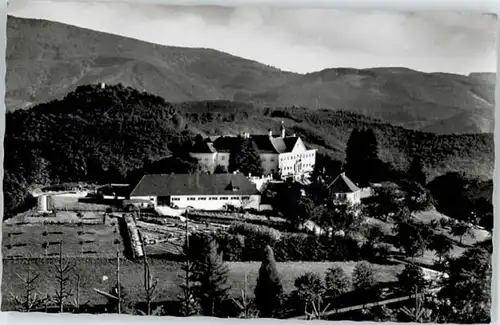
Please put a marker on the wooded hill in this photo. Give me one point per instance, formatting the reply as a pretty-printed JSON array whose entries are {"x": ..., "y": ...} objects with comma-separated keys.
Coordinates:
[
  {"x": 46, "y": 60},
  {"x": 106, "y": 135}
]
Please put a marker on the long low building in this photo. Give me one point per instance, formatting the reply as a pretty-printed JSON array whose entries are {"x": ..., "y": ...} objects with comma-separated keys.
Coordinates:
[{"x": 209, "y": 192}]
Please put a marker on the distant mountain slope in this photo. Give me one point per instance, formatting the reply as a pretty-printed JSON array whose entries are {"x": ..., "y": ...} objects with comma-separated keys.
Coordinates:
[
  {"x": 402, "y": 96},
  {"x": 46, "y": 60}
]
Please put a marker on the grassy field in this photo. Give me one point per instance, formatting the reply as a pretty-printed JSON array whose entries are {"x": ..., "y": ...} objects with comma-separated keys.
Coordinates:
[
  {"x": 92, "y": 271},
  {"x": 27, "y": 241}
]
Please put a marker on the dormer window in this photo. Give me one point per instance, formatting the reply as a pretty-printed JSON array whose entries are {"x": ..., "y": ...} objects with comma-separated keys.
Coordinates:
[{"x": 231, "y": 187}]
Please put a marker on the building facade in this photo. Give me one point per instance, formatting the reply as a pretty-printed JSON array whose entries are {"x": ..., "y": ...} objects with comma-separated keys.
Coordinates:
[
  {"x": 286, "y": 155},
  {"x": 209, "y": 192},
  {"x": 344, "y": 190}
]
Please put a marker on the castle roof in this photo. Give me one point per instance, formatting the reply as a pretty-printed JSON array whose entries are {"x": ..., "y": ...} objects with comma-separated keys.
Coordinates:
[{"x": 263, "y": 143}]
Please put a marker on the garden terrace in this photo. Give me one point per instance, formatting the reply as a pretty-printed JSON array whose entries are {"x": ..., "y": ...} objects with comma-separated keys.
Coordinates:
[{"x": 42, "y": 241}]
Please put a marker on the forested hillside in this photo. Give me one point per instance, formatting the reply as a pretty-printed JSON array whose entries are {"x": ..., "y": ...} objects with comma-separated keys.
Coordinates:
[
  {"x": 46, "y": 60},
  {"x": 103, "y": 135}
]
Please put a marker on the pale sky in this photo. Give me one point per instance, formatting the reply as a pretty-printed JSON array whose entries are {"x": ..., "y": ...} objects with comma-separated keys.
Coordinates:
[{"x": 295, "y": 39}]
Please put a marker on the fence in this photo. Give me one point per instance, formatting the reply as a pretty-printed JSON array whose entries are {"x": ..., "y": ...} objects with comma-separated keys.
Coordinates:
[{"x": 368, "y": 305}]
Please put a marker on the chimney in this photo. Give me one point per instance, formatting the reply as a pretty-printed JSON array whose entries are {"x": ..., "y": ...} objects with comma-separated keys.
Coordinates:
[
  {"x": 282, "y": 129},
  {"x": 270, "y": 133},
  {"x": 103, "y": 85}
]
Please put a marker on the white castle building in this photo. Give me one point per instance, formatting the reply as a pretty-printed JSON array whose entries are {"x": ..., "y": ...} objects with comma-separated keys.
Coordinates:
[{"x": 283, "y": 154}]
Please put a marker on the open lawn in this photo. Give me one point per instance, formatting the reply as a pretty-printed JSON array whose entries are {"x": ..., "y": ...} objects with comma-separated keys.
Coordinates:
[
  {"x": 92, "y": 271},
  {"x": 25, "y": 241}
]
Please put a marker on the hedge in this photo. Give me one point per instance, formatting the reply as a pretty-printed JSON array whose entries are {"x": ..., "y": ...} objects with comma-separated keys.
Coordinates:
[{"x": 244, "y": 243}]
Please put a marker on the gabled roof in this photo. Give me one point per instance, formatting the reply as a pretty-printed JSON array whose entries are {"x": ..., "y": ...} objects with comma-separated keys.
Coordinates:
[
  {"x": 203, "y": 147},
  {"x": 342, "y": 184},
  {"x": 194, "y": 184}
]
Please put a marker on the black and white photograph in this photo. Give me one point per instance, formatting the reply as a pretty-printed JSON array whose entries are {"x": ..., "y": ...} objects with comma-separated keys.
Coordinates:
[{"x": 248, "y": 162}]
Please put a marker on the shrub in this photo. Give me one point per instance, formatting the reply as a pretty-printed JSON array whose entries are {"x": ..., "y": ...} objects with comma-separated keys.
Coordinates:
[
  {"x": 309, "y": 289},
  {"x": 337, "y": 282},
  {"x": 247, "y": 242},
  {"x": 248, "y": 228},
  {"x": 231, "y": 246}
]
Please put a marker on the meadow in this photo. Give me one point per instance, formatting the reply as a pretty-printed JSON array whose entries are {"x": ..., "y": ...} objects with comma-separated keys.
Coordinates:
[{"x": 100, "y": 273}]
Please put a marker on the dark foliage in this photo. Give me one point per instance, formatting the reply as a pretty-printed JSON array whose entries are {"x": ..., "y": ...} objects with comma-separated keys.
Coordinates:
[
  {"x": 411, "y": 279},
  {"x": 413, "y": 236},
  {"x": 464, "y": 198},
  {"x": 290, "y": 202},
  {"x": 209, "y": 277},
  {"x": 249, "y": 246},
  {"x": 440, "y": 244},
  {"x": 363, "y": 164},
  {"x": 364, "y": 281},
  {"x": 309, "y": 290},
  {"x": 268, "y": 290},
  {"x": 466, "y": 293},
  {"x": 93, "y": 134},
  {"x": 245, "y": 158},
  {"x": 416, "y": 171},
  {"x": 337, "y": 282}
]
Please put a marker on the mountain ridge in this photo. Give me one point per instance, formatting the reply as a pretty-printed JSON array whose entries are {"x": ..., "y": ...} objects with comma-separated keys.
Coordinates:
[{"x": 54, "y": 58}]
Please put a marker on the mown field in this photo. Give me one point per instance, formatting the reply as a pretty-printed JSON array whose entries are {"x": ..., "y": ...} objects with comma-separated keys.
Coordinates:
[
  {"x": 30, "y": 240},
  {"x": 93, "y": 271}
]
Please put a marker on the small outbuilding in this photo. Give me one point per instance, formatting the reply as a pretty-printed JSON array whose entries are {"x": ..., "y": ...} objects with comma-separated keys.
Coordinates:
[{"x": 344, "y": 190}]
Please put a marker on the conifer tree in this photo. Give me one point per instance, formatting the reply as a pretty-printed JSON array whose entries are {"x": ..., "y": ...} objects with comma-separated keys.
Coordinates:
[
  {"x": 416, "y": 171},
  {"x": 210, "y": 275},
  {"x": 245, "y": 158},
  {"x": 269, "y": 290},
  {"x": 362, "y": 160}
]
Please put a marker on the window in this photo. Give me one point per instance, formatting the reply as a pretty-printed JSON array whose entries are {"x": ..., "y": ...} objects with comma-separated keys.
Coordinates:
[
  {"x": 191, "y": 198},
  {"x": 272, "y": 159},
  {"x": 213, "y": 198},
  {"x": 245, "y": 198},
  {"x": 234, "y": 198},
  {"x": 201, "y": 198},
  {"x": 223, "y": 197}
]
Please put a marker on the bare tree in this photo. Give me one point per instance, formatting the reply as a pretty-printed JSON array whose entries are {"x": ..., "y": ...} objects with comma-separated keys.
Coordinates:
[
  {"x": 245, "y": 303},
  {"x": 117, "y": 294},
  {"x": 316, "y": 312},
  {"x": 149, "y": 282},
  {"x": 63, "y": 271},
  {"x": 30, "y": 299},
  {"x": 418, "y": 313}
]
